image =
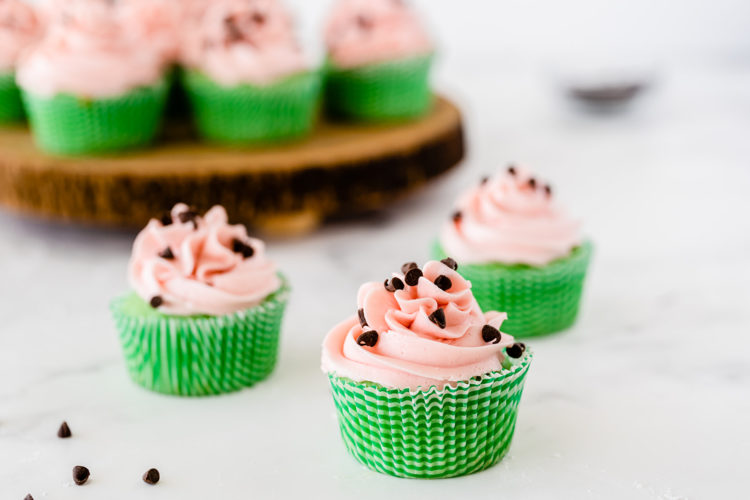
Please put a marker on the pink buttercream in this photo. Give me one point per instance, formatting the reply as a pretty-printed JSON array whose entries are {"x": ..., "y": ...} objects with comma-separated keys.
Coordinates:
[
  {"x": 89, "y": 51},
  {"x": 412, "y": 351},
  {"x": 361, "y": 32},
  {"x": 20, "y": 27},
  {"x": 510, "y": 219},
  {"x": 157, "y": 23},
  {"x": 244, "y": 41},
  {"x": 203, "y": 275}
]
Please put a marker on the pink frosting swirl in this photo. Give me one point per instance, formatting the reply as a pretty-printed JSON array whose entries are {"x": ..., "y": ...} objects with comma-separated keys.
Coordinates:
[
  {"x": 158, "y": 23},
  {"x": 511, "y": 218},
  {"x": 20, "y": 27},
  {"x": 427, "y": 335},
  {"x": 200, "y": 265},
  {"x": 244, "y": 41},
  {"x": 361, "y": 32}
]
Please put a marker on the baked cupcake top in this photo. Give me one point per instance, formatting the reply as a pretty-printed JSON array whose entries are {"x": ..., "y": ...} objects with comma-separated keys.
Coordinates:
[
  {"x": 361, "y": 32},
  {"x": 89, "y": 51},
  {"x": 243, "y": 41},
  {"x": 185, "y": 264},
  {"x": 420, "y": 328},
  {"x": 511, "y": 218},
  {"x": 20, "y": 27}
]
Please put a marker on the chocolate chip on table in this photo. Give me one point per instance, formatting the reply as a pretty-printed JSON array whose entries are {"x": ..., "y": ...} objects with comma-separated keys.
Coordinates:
[
  {"x": 490, "y": 334},
  {"x": 151, "y": 476},
  {"x": 512, "y": 170},
  {"x": 166, "y": 254},
  {"x": 443, "y": 282},
  {"x": 532, "y": 183},
  {"x": 239, "y": 246},
  {"x": 412, "y": 276},
  {"x": 166, "y": 219},
  {"x": 450, "y": 263},
  {"x": 457, "y": 216},
  {"x": 393, "y": 284},
  {"x": 408, "y": 267},
  {"x": 548, "y": 190},
  {"x": 438, "y": 317},
  {"x": 156, "y": 301},
  {"x": 362, "y": 320},
  {"x": 64, "y": 431},
  {"x": 80, "y": 474},
  {"x": 368, "y": 338},
  {"x": 516, "y": 350}
]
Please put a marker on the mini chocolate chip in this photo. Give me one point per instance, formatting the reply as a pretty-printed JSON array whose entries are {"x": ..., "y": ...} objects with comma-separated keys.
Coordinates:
[
  {"x": 548, "y": 190},
  {"x": 362, "y": 320},
  {"x": 483, "y": 180},
  {"x": 393, "y": 284},
  {"x": 412, "y": 276},
  {"x": 490, "y": 334},
  {"x": 511, "y": 170},
  {"x": 233, "y": 31},
  {"x": 166, "y": 254},
  {"x": 156, "y": 301},
  {"x": 532, "y": 183},
  {"x": 166, "y": 219},
  {"x": 516, "y": 350},
  {"x": 443, "y": 282},
  {"x": 478, "y": 378},
  {"x": 408, "y": 267},
  {"x": 239, "y": 246},
  {"x": 456, "y": 216},
  {"x": 187, "y": 216},
  {"x": 368, "y": 338},
  {"x": 80, "y": 474},
  {"x": 64, "y": 431},
  {"x": 28, "y": 497},
  {"x": 151, "y": 476},
  {"x": 388, "y": 286},
  {"x": 259, "y": 17},
  {"x": 438, "y": 317},
  {"x": 450, "y": 263},
  {"x": 364, "y": 22}
]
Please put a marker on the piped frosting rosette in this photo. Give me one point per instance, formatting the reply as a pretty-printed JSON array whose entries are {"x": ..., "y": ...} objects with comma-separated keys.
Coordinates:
[{"x": 20, "y": 28}]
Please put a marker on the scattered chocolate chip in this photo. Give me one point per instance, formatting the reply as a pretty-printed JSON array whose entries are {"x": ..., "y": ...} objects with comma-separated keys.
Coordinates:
[
  {"x": 532, "y": 183},
  {"x": 259, "y": 17},
  {"x": 151, "y": 476},
  {"x": 80, "y": 474},
  {"x": 512, "y": 170},
  {"x": 478, "y": 378},
  {"x": 362, "y": 320},
  {"x": 364, "y": 22},
  {"x": 368, "y": 338},
  {"x": 156, "y": 301},
  {"x": 393, "y": 284},
  {"x": 490, "y": 334},
  {"x": 443, "y": 282},
  {"x": 233, "y": 31},
  {"x": 187, "y": 216},
  {"x": 412, "y": 276},
  {"x": 438, "y": 317},
  {"x": 28, "y": 497},
  {"x": 456, "y": 216},
  {"x": 516, "y": 350},
  {"x": 408, "y": 267},
  {"x": 239, "y": 246},
  {"x": 166, "y": 254},
  {"x": 166, "y": 219},
  {"x": 483, "y": 180},
  {"x": 450, "y": 263},
  {"x": 548, "y": 190},
  {"x": 64, "y": 431}
]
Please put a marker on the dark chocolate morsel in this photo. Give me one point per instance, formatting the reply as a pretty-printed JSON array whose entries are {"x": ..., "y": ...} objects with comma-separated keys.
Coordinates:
[
  {"x": 438, "y": 317},
  {"x": 259, "y": 17},
  {"x": 408, "y": 267},
  {"x": 484, "y": 180},
  {"x": 397, "y": 283},
  {"x": 516, "y": 350},
  {"x": 64, "y": 431},
  {"x": 166, "y": 254},
  {"x": 368, "y": 338},
  {"x": 28, "y": 497},
  {"x": 448, "y": 261},
  {"x": 80, "y": 474},
  {"x": 239, "y": 246},
  {"x": 511, "y": 170},
  {"x": 532, "y": 183},
  {"x": 166, "y": 219},
  {"x": 548, "y": 190},
  {"x": 187, "y": 216},
  {"x": 443, "y": 282},
  {"x": 456, "y": 216},
  {"x": 388, "y": 286},
  {"x": 362, "y": 320},
  {"x": 490, "y": 334},
  {"x": 364, "y": 22},
  {"x": 478, "y": 378},
  {"x": 151, "y": 476},
  {"x": 156, "y": 301},
  {"x": 412, "y": 276}
]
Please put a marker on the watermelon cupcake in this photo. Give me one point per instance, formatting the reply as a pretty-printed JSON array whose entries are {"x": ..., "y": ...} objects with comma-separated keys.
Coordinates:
[
  {"x": 205, "y": 312},
  {"x": 20, "y": 28},
  {"x": 425, "y": 384},
  {"x": 521, "y": 251},
  {"x": 245, "y": 74},
  {"x": 378, "y": 63}
]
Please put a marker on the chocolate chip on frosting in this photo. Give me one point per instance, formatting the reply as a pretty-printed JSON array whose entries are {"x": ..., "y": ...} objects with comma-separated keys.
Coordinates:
[
  {"x": 457, "y": 216},
  {"x": 548, "y": 190},
  {"x": 166, "y": 254},
  {"x": 448, "y": 261},
  {"x": 393, "y": 284},
  {"x": 443, "y": 282},
  {"x": 239, "y": 246},
  {"x": 438, "y": 317},
  {"x": 490, "y": 334},
  {"x": 408, "y": 267},
  {"x": 165, "y": 219},
  {"x": 151, "y": 476},
  {"x": 64, "y": 431},
  {"x": 516, "y": 350},
  {"x": 511, "y": 170},
  {"x": 412, "y": 276},
  {"x": 80, "y": 474},
  {"x": 532, "y": 183},
  {"x": 364, "y": 22},
  {"x": 368, "y": 338},
  {"x": 362, "y": 320},
  {"x": 156, "y": 301},
  {"x": 28, "y": 497},
  {"x": 259, "y": 17},
  {"x": 483, "y": 180},
  {"x": 187, "y": 216}
]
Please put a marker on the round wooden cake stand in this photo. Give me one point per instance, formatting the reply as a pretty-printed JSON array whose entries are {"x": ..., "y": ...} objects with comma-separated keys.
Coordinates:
[{"x": 342, "y": 169}]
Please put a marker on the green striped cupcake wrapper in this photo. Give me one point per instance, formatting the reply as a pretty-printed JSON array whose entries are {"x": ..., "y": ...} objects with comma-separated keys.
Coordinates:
[
  {"x": 538, "y": 300},
  {"x": 70, "y": 125},
  {"x": 434, "y": 433},
  {"x": 11, "y": 109},
  {"x": 199, "y": 355},
  {"x": 248, "y": 114},
  {"x": 393, "y": 90}
]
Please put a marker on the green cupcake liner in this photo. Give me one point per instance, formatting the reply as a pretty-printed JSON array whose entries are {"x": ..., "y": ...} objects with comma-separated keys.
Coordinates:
[
  {"x": 246, "y": 114},
  {"x": 199, "y": 355},
  {"x": 11, "y": 108},
  {"x": 434, "y": 433},
  {"x": 393, "y": 90},
  {"x": 70, "y": 125},
  {"x": 538, "y": 300}
]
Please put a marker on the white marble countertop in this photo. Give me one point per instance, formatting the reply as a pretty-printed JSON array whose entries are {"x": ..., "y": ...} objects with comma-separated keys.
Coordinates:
[{"x": 647, "y": 397}]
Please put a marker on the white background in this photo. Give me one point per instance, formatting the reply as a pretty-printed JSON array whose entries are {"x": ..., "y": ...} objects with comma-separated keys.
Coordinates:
[{"x": 646, "y": 398}]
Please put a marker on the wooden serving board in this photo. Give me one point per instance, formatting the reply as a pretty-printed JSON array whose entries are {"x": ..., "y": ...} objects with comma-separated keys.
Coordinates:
[{"x": 340, "y": 170}]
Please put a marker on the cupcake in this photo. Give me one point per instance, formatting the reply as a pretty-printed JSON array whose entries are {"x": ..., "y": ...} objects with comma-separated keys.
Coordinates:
[
  {"x": 91, "y": 85},
  {"x": 425, "y": 384},
  {"x": 20, "y": 27},
  {"x": 521, "y": 251},
  {"x": 206, "y": 307},
  {"x": 378, "y": 62},
  {"x": 246, "y": 76}
]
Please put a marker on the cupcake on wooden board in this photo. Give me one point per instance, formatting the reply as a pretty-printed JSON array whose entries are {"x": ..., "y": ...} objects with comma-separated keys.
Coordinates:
[
  {"x": 379, "y": 57},
  {"x": 20, "y": 28},
  {"x": 205, "y": 314},
  {"x": 425, "y": 384},
  {"x": 522, "y": 252}
]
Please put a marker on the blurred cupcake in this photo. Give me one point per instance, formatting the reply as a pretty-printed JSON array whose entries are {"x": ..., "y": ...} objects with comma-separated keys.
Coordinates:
[
  {"x": 246, "y": 76},
  {"x": 20, "y": 27},
  {"x": 379, "y": 58},
  {"x": 424, "y": 382},
  {"x": 207, "y": 307},
  {"x": 91, "y": 85},
  {"x": 521, "y": 251}
]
